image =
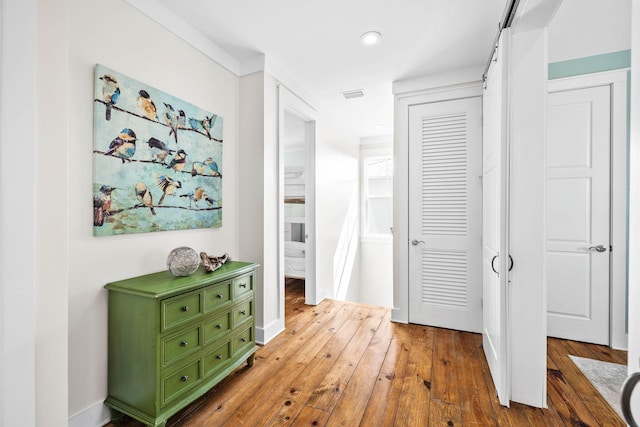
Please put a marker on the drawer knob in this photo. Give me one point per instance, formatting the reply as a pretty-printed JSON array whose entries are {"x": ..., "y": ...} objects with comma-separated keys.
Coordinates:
[
  {"x": 244, "y": 285},
  {"x": 218, "y": 326},
  {"x": 219, "y": 357},
  {"x": 184, "y": 378},
  {"x": 220, "y": 296},
  {"x": 243, "y": 312},
  {"x": 184, "y": 343},
  {"x": 243, "y": 339},
  {"x": 185, "y": 308}
]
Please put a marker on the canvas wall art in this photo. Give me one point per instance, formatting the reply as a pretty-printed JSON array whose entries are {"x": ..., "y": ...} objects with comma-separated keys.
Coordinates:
[{"x": 157, "y": 160}]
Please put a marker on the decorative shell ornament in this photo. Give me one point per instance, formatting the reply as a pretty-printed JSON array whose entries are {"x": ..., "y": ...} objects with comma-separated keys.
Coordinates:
[{"x": 183, "y": 261}]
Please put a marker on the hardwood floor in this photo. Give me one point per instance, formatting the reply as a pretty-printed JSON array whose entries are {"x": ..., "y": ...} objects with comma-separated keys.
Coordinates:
[{"x": 344, "y": 364}]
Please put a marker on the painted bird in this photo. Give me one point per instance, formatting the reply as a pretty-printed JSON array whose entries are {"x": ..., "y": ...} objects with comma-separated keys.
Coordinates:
[
  {"x": 123, "y": 145},
  {"x": 144, "y": 196},
  {"x": 203, "y": 125},
  {"x": 178, "y": 162},
  {"x": 171, "y": 119},
  {"x": 209, "y": 199},
  {"x": 110, "y": 93},
  {"x": 168, "y": 186},
  {"x": 147, "y": 106},
  {"x": 194, "y": 196},
  {"x": 211, "y": 167},
  {"x": 102, "y": 204},
  {"x": 182, "y": 119},
  {"x": 160, "y": 148},
  {"x": 197, "y": 168}
]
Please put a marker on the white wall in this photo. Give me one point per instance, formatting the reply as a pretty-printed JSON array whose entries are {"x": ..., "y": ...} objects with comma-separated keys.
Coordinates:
[
  {"x": 18, "y": 285},
  {"x": 52, "y": 224},
  {"x": 337, "y": 176},
  {"x": 122, "y": 38},
  {"x": 583, "y": 28}
]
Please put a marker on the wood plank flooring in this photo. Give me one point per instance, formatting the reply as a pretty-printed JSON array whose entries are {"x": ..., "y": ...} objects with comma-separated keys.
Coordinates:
[{"x": 344, "y": 364}]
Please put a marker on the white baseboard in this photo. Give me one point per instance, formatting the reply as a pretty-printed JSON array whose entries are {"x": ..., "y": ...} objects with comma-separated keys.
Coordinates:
[
  {"x": 266, "y": 334},
  {"x": 96, "y": 415},
  {"x": 399, "y": 316}
]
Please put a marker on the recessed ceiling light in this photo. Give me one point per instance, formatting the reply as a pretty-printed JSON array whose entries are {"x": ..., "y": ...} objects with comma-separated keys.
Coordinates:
[{"x": 370, "y": 38}]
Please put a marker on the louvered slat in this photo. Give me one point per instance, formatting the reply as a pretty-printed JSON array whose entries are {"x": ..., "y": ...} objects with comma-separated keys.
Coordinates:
[
  {"x": 444, "y": 278},
  {"x": 444, "y": 208},
  {"x": 444, "y": 166}
]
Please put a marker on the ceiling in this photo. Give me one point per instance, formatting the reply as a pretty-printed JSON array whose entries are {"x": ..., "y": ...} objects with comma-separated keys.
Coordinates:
[{"x": 318, "y": 44}]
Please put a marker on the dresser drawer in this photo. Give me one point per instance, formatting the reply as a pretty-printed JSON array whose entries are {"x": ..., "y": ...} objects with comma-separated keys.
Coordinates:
[
  {"x": 178, "y": 346},
  {"x": 217, "y": 358},
  {"x": 215, "y": 296},
  {"x": 216, "y": 327},
  {"x": 243, "y": 285},
  {"x": 182, "y": 380},
  {"x": 242, "y": 312},
  {"x": 180, "y": 309},
  {"x": 243, "y": 340}
]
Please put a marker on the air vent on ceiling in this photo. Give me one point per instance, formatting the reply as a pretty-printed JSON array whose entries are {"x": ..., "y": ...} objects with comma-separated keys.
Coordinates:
[{"x": 353, "y": 94}]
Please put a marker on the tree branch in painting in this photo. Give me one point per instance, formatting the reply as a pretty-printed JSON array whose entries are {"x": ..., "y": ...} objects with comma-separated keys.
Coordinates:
[
  {"x": 193, "y": 122},
  {"x": 196, "y": 169}
]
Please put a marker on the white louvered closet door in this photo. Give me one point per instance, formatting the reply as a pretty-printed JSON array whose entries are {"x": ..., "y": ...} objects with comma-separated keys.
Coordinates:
[{"x": 445, "y": 214}]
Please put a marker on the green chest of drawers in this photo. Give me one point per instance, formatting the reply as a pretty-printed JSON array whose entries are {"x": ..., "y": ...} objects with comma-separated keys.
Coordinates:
[{"x": 173, "y": 338}]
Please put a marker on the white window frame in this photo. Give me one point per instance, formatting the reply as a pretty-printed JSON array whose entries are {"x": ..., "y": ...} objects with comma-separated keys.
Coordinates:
[{"x": 365, "y": 235}]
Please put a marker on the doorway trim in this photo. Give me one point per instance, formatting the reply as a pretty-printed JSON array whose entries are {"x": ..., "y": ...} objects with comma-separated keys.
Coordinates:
[
  {"x": 451, "y": 90},
  {"x": 291, "y": 103},
  {"x": 617, "y": 80}
]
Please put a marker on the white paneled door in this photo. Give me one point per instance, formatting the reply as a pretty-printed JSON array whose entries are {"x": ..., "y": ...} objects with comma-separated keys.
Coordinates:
[
  {"x": 495, "y": 259},
  {"x": 578, "y": 214},
  {"x": 445, "y": 214}
]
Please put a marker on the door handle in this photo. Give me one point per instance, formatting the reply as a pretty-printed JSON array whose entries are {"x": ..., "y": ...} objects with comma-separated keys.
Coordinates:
[
  {"x": 599, "y": 248},
  {"x": 625, "y": 400},
  {"x": 416, "y": 242},
  {"x": 492, "y": 267}
]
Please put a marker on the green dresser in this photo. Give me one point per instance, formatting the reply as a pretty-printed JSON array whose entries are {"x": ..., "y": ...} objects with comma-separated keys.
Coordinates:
[{"x": 173, "y": 338}]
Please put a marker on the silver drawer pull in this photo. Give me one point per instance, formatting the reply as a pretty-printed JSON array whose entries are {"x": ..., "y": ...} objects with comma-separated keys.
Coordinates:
[
  {"x": 219, "y": 357},
  {"x": 244, "y": 285},
  {"x": 219, "y": 296},
  {"x": 243, "y": 339},
  {"x": 218, "y": 326},
  {"x": 184, "y": 378},
  {"x": 243, "y": 312},
  {"x": 185, "y": 308},
  {"x": 184, "y": 343}
]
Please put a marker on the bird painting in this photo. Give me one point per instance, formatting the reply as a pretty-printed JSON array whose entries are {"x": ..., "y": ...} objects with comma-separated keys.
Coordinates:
[
  {"x": 144, "y": 196},
  {"x": 155, "y": 145},
  {"x": 110, "y": 93},
  {"x": 203, "y": 125},
  {"x": 168, "y": 186},
  {"x": 147, "y": 106},
  {"x": 171, "y": 119},
  {"x": 123, "y": 145},
  {"x": 178, "y": 162},
  {"x": 160, "y": 150},
  {"x": 194, "y": 196},
  {"x": 101, "y": 204}
]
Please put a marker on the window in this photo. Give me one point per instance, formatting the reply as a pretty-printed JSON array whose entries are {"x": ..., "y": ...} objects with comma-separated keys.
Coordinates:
[{"x": 378, "y": 196}]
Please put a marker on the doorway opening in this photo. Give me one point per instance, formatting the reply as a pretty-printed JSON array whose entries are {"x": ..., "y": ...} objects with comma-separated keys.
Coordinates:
[{"x": 296, "y": 213}]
